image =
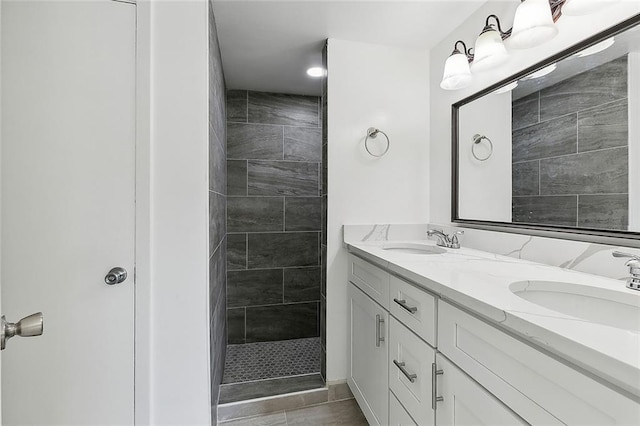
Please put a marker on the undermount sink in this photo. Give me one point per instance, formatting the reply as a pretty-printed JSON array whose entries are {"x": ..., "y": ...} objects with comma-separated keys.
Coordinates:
[
  {"x": 619, "y": 309},
  {"x": 413, "y": 248}
]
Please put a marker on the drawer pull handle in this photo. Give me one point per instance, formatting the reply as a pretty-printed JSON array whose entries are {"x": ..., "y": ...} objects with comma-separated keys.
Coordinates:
[
  {"x": 403, "y": 304},
  {"x": 412, "y": 377},
  {"x": 434, "y": 386},
  {"x": 379, "y": 336}
]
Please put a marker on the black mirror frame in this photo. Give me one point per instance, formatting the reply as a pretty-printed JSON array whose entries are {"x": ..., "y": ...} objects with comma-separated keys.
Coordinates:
[{"x": 526, "y": 228}]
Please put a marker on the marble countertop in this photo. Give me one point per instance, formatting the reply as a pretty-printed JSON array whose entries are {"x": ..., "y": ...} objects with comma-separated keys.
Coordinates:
[{"x": 480, "y": 282}]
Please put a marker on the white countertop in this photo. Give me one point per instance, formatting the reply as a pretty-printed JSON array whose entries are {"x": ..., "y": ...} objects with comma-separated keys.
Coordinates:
[{"x": 479, "y": 281}]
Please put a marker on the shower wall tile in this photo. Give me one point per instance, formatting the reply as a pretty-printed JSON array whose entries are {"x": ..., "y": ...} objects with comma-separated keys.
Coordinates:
[
  {"x": 301, "y": 284},
  {"x": 217, "y": 165},
  {"x": 255, "y": 214},
  {"x": 277, "y": 250},
  {"x": 235, "y": 325},
  {"x": 236, "y": 177},
  {"x": 610, "y": 211},
  {"x": 282, "y": 178},
  {"x": 278, "y": 108},
  {"x": 217, "y": 222},
  {"x": 303, "y": 144},
  {"x": 547, "y": 139},
  {"x": 254, "y": 288},
  {"x": 282, "y": 322},
  {"x": 525, "y": 178},
  {"x": 217, "y": 274},
  {"x": 303, "y": 214},
  {"x": 525, "y": 111},
  {"x": 602, "y": 84},
  {"x": 553, "y": 210},
  {"x": 605, "y": 126},
  {"x": 596, "y": 172},
  {"x": 236, "y": 251},
  {"x": 237, "y": 106},
  {"x": 254, "y": 141}
]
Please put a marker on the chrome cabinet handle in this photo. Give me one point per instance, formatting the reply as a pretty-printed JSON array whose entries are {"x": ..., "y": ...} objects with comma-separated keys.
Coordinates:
[
  {"x": 115, "y": 276},
  {"x": 412, "y": 377},
  {"x": 379, "y": 336},
  {"x": 403, "y": 304},
  {"x": 434, "y": 386},
  {"x": 30, "y": 326}
]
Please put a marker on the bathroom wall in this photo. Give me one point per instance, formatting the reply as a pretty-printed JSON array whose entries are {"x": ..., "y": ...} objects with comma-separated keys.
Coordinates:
[
  {"x": 386, "y": 87},
  {"x": 217, "y": 214},
  {"x": 274, "y": 154},
  {"x": 568, "y": 168}
]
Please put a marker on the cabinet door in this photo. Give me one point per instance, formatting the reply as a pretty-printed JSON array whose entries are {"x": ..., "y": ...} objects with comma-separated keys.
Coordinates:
[
  {"x": 368, "y": 355},
  {"x": 467, "y": 403},
  {"x": 398, "y": 416}
]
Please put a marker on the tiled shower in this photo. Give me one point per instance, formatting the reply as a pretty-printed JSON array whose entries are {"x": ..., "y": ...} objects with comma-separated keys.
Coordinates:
[{"x": 274, "y": 223}]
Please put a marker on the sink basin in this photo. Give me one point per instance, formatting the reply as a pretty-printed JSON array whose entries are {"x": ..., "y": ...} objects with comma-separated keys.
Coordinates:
[
  {"x": 413, "y": 248},
  {"x": 619, "y": 309}
]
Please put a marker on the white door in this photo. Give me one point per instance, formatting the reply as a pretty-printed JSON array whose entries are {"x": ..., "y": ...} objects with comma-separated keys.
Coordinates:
[{"x": 67, "y": 175}]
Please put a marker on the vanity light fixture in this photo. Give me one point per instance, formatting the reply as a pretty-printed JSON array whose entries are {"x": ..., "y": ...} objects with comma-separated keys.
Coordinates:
[
  {"x": 457, "y": 74},
  {"x": 489, "y": 50},
  {"x": 509, "y": 87},
  {"x": 532, "y": 25},
  {"x": 596, "y": 48},
  {"x": 584, "y": 7},
  {"x": 315, "y": 72},
  {"x": 541, "y": 72}
]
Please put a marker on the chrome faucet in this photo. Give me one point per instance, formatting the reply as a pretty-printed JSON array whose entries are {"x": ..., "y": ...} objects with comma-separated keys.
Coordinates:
[
  {"x": 634, "y": 269},
  {"x": 444, "y": 240}
]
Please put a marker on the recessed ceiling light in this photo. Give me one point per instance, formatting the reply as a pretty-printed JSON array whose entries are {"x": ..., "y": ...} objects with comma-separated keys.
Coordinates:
[
  {"x": 542, "y": 72},
  {"x": 596, "y": 48},
  {"x": 509, "y": 87},
  {"x": 315, "y": 72}
]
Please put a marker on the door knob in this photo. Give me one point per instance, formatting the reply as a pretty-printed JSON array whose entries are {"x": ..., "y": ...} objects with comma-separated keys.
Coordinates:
[
  {"x": 115, "y": 276},
  {"x": 26, "y": 327}
]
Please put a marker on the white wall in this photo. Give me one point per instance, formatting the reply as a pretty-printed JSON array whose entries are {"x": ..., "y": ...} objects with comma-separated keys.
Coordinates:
[
  {"x": 179, "y": 279},
  {"x": 385, "y": 87},
  {"x": 571, "y": 31}
]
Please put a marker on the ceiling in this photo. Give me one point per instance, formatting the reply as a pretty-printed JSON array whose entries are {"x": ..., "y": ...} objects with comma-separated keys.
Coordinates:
[{"x": 268, "y": 45}]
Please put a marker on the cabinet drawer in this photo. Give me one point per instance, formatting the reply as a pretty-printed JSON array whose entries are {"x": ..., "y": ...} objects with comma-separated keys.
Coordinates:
[
  {"x": 539, "y": 388},
  {"x": 415, "y": 308},
  {"x": 370, "y": 279},
  {"x": 410, "y": 363},
  {"x": 398, "y": 416}
]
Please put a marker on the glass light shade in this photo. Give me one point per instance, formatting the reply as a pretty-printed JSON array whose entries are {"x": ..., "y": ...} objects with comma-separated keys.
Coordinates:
[
  {"x": 532, "y": 25},
  {"x": 596, "y": 48},
  {"x": 457, "y": 74},
  {"x": 489, "y": 51},
  {"x": 508, "y": 88},
  {"x": 584, "y": 7},
  {"x": 542, "y": 72}
]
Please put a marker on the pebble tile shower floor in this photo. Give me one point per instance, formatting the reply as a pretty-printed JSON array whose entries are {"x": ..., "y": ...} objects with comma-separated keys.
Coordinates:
[{"x": 267, "y": 360}]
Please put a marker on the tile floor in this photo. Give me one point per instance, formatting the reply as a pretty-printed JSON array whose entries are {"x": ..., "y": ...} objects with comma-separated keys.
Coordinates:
[{"x": 345, "y": 412}]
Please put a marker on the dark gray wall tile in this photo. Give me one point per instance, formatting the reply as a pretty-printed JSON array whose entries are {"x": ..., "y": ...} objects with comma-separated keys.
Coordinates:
[
  {"x": 255, "y": 287},
  {"x": 605, "y": 83},
  {"x": 559, "y": 210},
  {"x": 254, "y": 141},
  {"x": 303, "y": 214},
  {"x": 236, "y": 177},
  {"x": 525, "y": 178},
  {"x": 277, "y": 108},
  {"x": 323, "y": 322},
  {"x": 276, "y": 250},
  {"x": 301, "y": 284},
  {"x": 217, "y": 165},
  {"x": 594, "y": 172},
  {"x": 303, "y": 144},
  {"x": 235, "y": 325},
  {"x": 609, "y": 211},
  {"x": 323, "y": 270},
  {"x": 237, "y": 106},
  {"x": 605, "y": 126},
  {"x": 255, "y": 214},
  {"x": 217, "y": 222},
  {"x": 547, "y": 139},
  {"x": 236, "y": 251},
  {"x": 282, "y": 322},
  {"x": 217, "y": 274},
  {"x": 525, "y": 111},
  {"x": 282, "y": 178},
  {"x": 325, "y": 206}
]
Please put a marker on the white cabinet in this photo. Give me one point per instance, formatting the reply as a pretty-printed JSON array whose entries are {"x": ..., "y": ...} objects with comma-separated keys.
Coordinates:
[
  {"x": 414, "y": 307},
  {"x": 398, "y": 416},
  {"x": 368, "y": 356},
  {"x": 464, "y": 402}
]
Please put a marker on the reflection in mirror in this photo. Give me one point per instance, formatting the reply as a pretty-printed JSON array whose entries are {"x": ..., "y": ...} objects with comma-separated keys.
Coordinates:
[{"x": 566, "y": 143}]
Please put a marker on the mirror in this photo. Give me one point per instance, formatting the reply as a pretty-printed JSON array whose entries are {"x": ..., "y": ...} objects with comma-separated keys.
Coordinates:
[{"x": 556, "y": 147}]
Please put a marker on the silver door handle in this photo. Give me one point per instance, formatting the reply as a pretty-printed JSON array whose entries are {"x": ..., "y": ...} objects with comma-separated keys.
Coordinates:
[
  {"x": 434, "y": 385},
  {"x": 115, "y": 276},
  {"x": 379, "y": 336},
  {"x": 403, "y": 304},
  {"x": 412, "y": 377},
  {"x": 27, "y": 327}
]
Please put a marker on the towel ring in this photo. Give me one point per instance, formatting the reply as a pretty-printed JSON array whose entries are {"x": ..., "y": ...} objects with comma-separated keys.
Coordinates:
[
  {"x": 476, "y": 140},
  {"x": 372, "y": 133}
]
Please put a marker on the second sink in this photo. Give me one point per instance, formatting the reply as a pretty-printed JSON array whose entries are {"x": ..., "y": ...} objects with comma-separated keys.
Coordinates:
[{"x": 413, "y": 248}]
